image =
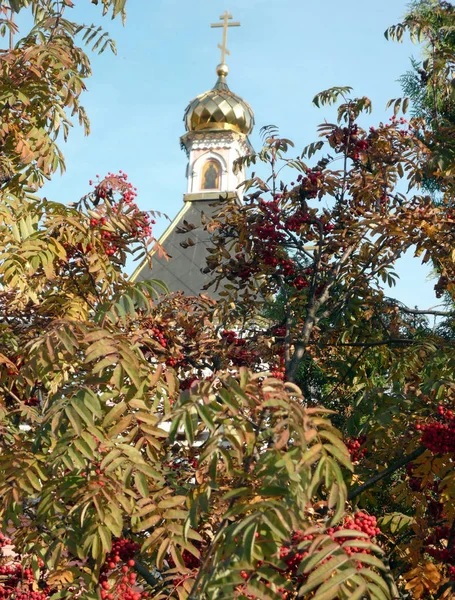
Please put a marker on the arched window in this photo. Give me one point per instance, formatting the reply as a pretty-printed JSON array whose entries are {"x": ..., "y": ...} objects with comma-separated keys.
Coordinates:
[{"x": 211, "y": 175}]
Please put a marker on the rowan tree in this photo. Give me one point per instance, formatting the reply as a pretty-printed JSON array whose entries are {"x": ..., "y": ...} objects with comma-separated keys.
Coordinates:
[
  {"x": 321, "y": 249},
  {"x": 163, "y": 446}
]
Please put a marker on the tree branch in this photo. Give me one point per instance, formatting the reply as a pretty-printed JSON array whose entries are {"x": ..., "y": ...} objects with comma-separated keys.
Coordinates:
[
  {"x": 395, "y": 466},
  {"x": 145, "y": 573},
  {"x": 312, "y": 318},
  {"x": 437, "y": 313},
  {"x": 370, "y": 344}
]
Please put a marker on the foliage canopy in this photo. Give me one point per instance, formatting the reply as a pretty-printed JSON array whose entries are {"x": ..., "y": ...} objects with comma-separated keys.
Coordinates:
[{"x": 295, "y": 438}]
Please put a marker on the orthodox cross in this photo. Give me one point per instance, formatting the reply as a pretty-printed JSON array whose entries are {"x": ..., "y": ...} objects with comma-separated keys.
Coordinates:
[{"x": 225, "y": 24}]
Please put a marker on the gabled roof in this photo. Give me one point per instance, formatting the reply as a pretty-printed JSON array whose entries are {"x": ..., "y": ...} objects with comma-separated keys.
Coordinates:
[{"x": 182, "y": 271}]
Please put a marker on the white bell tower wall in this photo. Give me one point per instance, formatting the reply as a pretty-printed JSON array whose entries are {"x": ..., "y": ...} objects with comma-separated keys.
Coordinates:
[{"x": 211, "y": 157}]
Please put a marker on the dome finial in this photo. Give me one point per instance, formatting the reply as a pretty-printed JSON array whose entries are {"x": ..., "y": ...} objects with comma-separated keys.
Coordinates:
[
  {"x": 222, "y": 70},
  {"x": 225, "y": 17}
]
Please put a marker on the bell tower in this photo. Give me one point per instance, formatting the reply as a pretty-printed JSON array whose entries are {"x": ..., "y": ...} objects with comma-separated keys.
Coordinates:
[{"x": 217, "y": 125}]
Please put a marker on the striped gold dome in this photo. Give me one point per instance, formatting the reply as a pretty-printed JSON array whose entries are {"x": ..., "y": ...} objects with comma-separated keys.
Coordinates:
[{"x": 219, "y": 109}]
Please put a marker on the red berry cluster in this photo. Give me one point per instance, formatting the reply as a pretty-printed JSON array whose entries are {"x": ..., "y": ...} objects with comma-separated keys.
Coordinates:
[
  {"x": 94, "y": 469},
  {"x": 363, "y": 522},
  {"x": 16, "y": 570},
  {"x": 279, "y": 373},
  {"x": 13, "y": 570},
  {"x": 435, "y": 508},
  {"x": 394, "y": 121},
  {"x": 292, "y": 553},
  {"x": 356, "y": 447},
  {"x": 30, "y": 595},
  {"x": 348, "y": 140},
  {"x": 187, "y": 383},
  {"x": 32, "y": 401},
  {"x": 229, "y": 336},
  {"x": 140, "y": 223},
  {"x": 123, "y": 551},
  {"x": 175, "y": 361},
  {"x": 311, "y": 184},
  {"x": 158, "y": 334},
  {"x": 439, "y": 437},
  {"x": 296, "y": 221},
  {"x": 241, "y": 355},
  {"x": 300, "y": 283},
  {"x": 415, "y": 484},
  {"x": 240, "y": 352},
  {"x": 279, "y": 331},
  {"x": 441, "y": 286},
  {"x": 272, "y": 229},
  {"x": 359, "y": 147},
  {"x": 437, "y": 545},
  {"x": 241, "y": 267},
  {"x": 266, "y": 231},
  {"x": 16, "y": 581}
]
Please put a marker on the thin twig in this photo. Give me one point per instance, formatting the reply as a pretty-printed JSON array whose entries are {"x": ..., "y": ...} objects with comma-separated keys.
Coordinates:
[{"x": 11, "y": 31}]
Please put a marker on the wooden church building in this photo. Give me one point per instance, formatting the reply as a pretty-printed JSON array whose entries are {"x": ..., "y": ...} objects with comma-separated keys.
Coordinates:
[{"x": 217, "y": 125}]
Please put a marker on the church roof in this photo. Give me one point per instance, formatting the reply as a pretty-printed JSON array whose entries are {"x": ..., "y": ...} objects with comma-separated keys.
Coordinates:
[{"x": 182, "y": 271}]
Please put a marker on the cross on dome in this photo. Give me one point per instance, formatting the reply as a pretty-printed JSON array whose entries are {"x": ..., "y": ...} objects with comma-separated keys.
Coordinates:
[
  {"x": 225, "y": 17},
  {"x": 219, "y": 109}
]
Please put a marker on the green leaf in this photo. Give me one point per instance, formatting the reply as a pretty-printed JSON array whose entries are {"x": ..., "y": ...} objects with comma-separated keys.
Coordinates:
[
  {"x": 205, "y": 415},
  {"x": 395, "y": 522},
  {"x": 172, "y": 502},
  {"x": 311, "y": 561},
  {"x": 84, "y": 448},
  {"x": 189, "y": 429},
  {"x": 74, "y": 419},
  {"x": 150, "y": 472},
  {"x": 229, "y": 400},
  {"x": 331, "y": 588},
  {"x": 112, "y": 460},
  {"x": 375, "y": 577},
  {"x": 340, "y": 456},
  {"x": 259, "y": 590},
  {"x": 369, "y": 559},
  {"x": 92, "y": 402},
  {"x": 114, "y": 414},
  {"x": 105, "y": 537},
  {"x": 323, "y": 571},
  {"x": 248, "y": 541},
  {"x": 141, "y": 483},
  {"x": 236, "y": 492},
  {"x": 162, "y": 550}
]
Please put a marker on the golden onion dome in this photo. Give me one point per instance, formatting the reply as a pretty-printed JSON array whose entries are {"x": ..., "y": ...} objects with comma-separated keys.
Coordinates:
[{"x": 219, "y": 108}]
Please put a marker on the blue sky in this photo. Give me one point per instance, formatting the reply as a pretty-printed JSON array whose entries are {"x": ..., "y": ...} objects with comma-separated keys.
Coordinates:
[{"x": 282, "y": 55}]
